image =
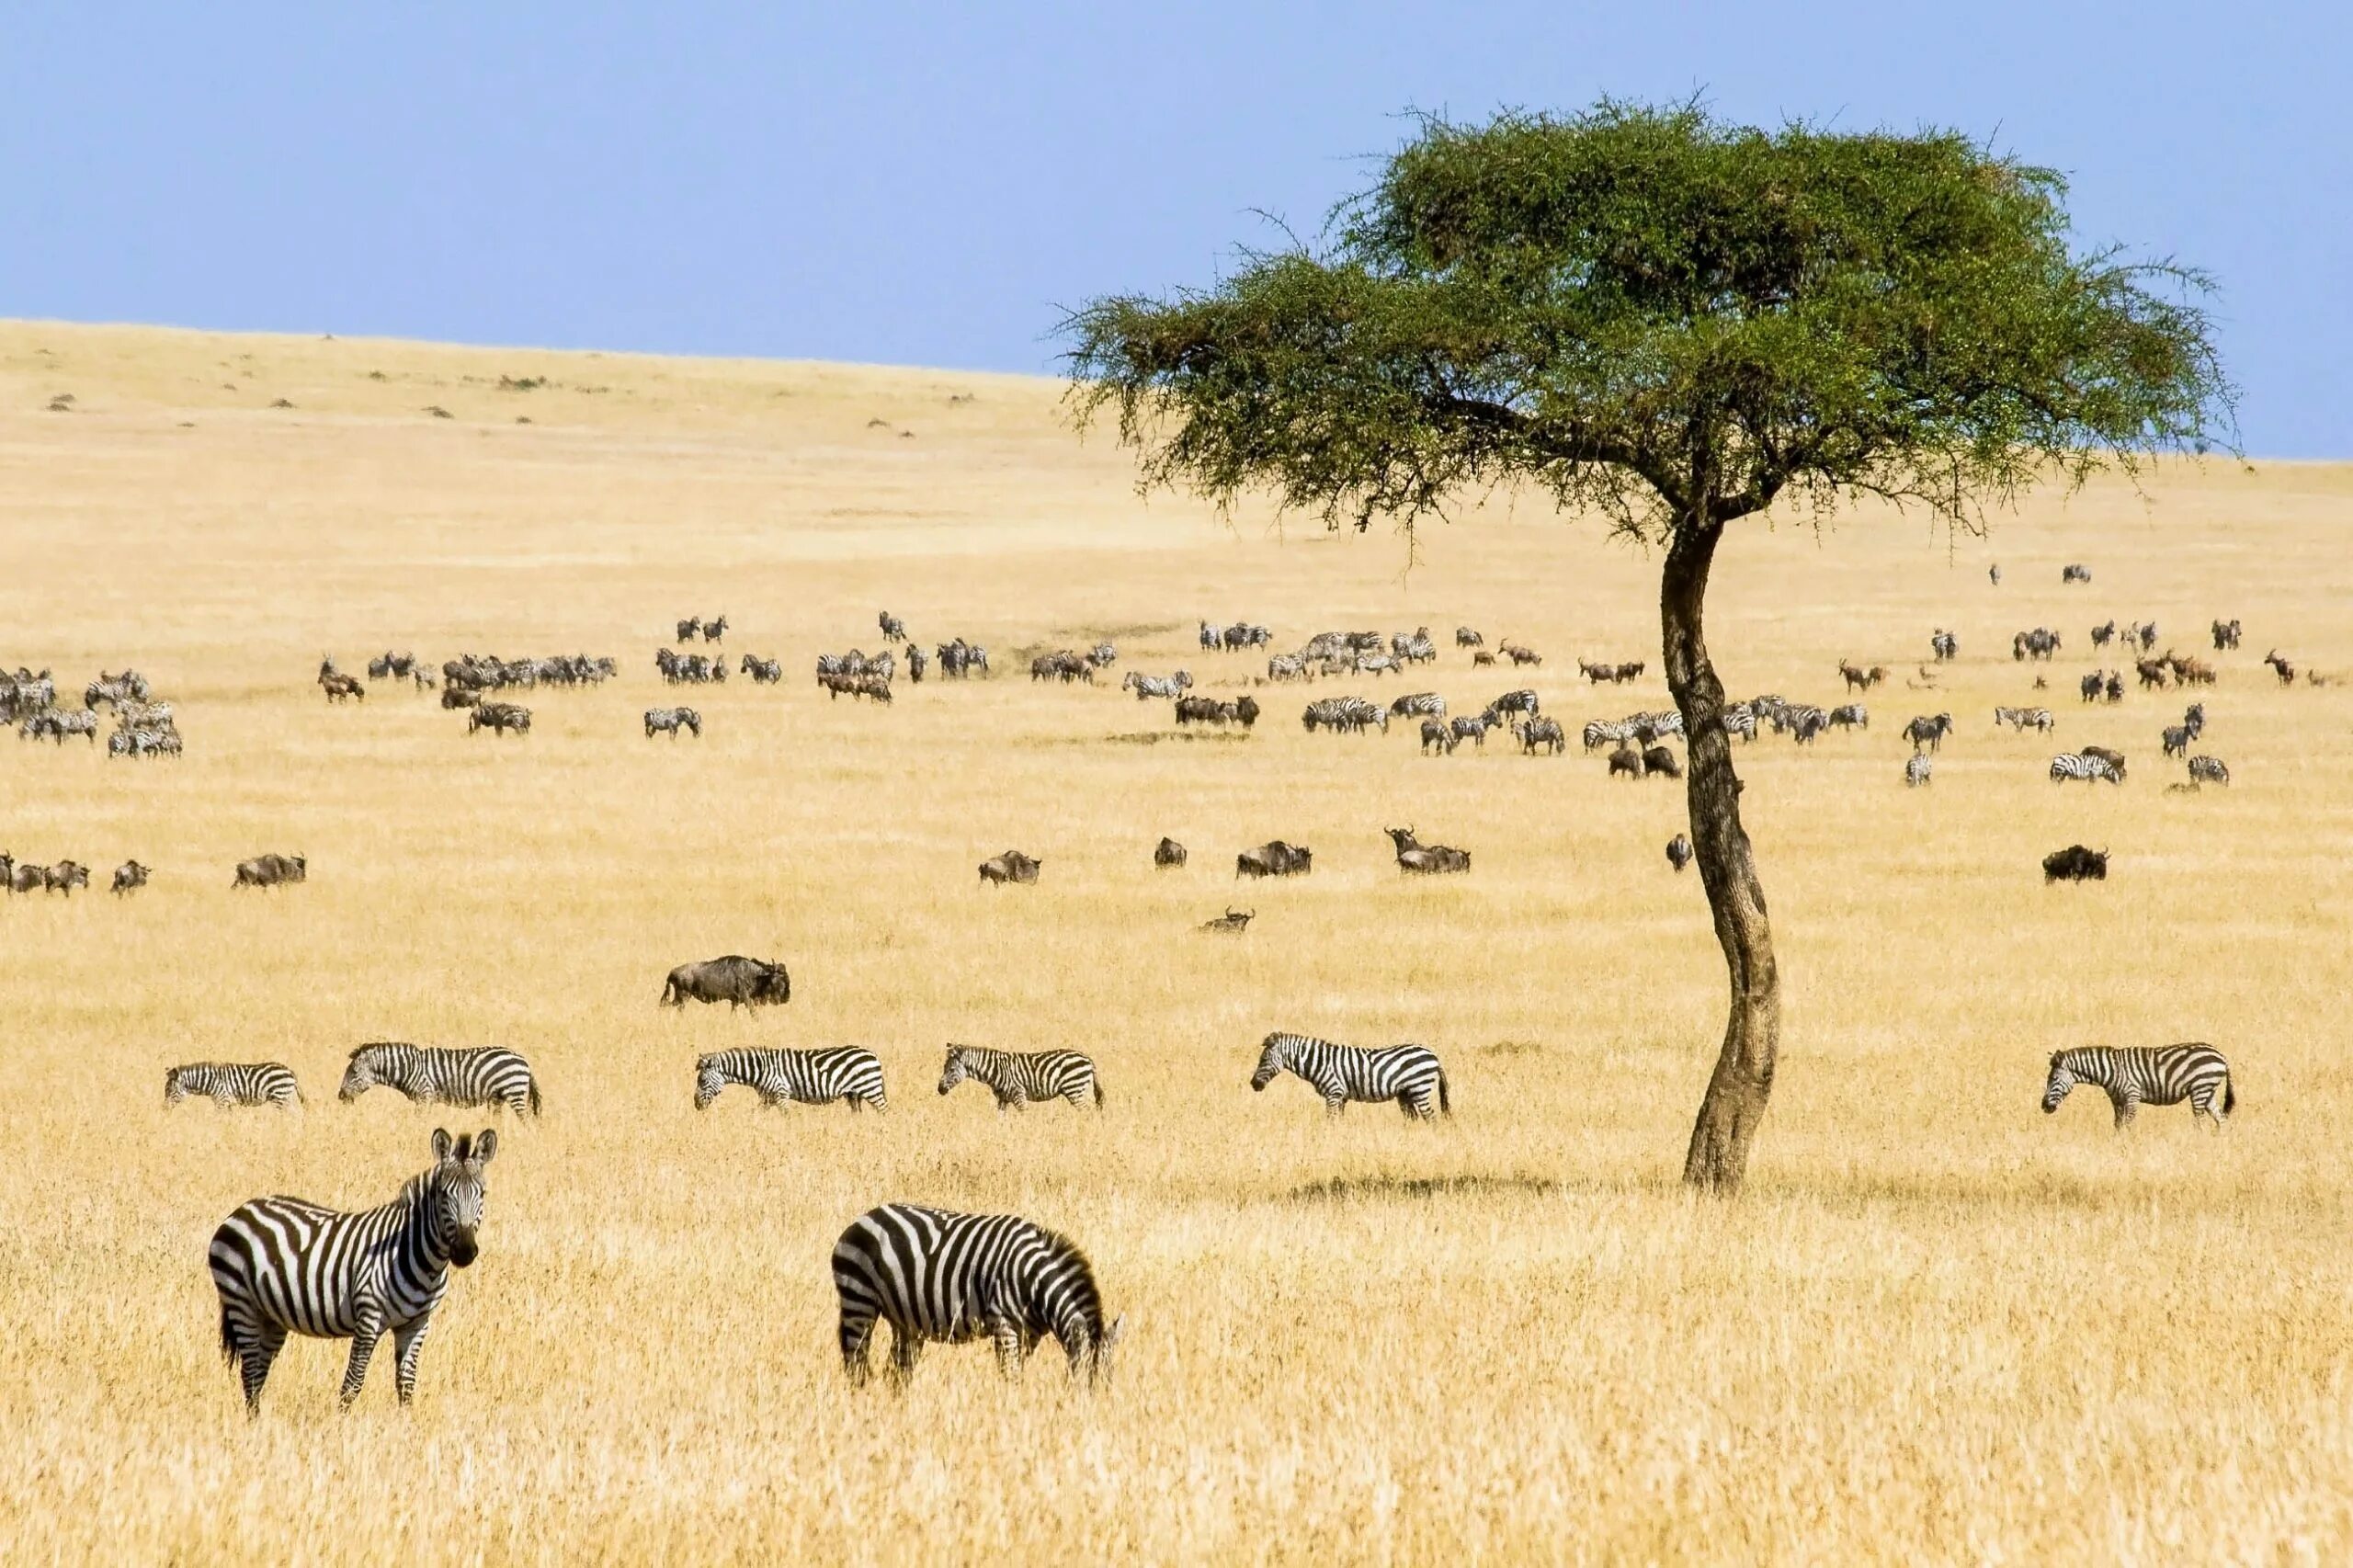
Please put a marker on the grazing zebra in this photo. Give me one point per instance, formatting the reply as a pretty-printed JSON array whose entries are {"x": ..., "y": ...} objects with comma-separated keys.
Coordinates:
[
  {"x": 1944, "y": 645},
  {"x": 670, "y": 721},
  {"x": 1853, "y": 715},
  {"x": 1287, "y": 666},
  {"x": 2089, "y": 770},
  {"x": 1472, "y": 727},
  {"x": 1739, "y": 720},
  {"x": 282, "y": 1266},
  {"x": 2207, "y": 770},
  {"x": 1018, "y": 1077},
  {"x": 1145, "y": 686},
  {"x": 811, "y": 1077},
  {"x": 1545, "y": 733},
  {"x": 2165, "y": 1075},
  {"x": 1436, "y": 733},
  {"x": 228, "y": 1084},
  {"x": 1520, "y": 702},
  {"x": 1409, "y": 1075},
  {"x": 894, "y": 629},
  {"x": 1918, "y": 770},
  {"x": 1429, "y": 704},
  {"x": 933, "y": 1275},
  {"x": 429, "y": 1074}
]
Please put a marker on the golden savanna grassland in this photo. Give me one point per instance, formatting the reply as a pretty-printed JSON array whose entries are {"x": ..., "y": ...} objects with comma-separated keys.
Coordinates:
[{"x": 1937, "y": 1326}]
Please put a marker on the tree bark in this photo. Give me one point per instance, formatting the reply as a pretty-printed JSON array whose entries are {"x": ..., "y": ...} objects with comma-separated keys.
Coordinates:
[{"x": 1743, "y": 1080}]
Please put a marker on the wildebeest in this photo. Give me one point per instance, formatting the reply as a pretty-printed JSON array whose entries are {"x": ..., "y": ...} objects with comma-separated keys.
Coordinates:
[
  {"x": 2075, "y": 864},
  {"x": 1275, "y": 859},
  {"x": 130, "y": 874},
  {"x": 1663, "y": 762},
  {"x": 1167, "y": 853},
  {"x": 453, "y": 697},
  {"x": 893, "y": 629},
  {"x": 1464, "y": 637},
  {"x": 690, "y": 629},
  {"x": 670, "y": 721},
  {"x": 1626, "y": 760},
  {"x": 1231, "y": 923},
  {"x": 22, "y": 879},
  {"x": 1679, "y": 851},
  {"x": 500, "y": 717},
  {"x": 2074, "y": 572},
  {"x": 2207, "y": 770},
  {"x": 65, "y": 876},
  {"x": 271, "y": 870},
  {"x": 2226, "y": 635},
  {"x": 1417, "y": 858},
  {"x": 338, "y": 685},
  {"x": 1944, "y": 645},
  {"x": 735, "y": 980},
  {"x": 1010, "y": 867}
]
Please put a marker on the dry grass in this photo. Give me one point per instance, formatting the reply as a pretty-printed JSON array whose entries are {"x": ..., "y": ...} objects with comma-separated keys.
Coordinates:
[{"x": 1940, "y": 1326}]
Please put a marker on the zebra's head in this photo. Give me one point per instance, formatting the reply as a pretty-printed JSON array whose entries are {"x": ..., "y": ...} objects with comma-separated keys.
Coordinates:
[
  {"x": 454, "y": 1193},
  {"x": 1274, "y": 1055},
  {"x": 174, "y": 1089},
  {"x": 708, "y": 1080},
  {"x": 956, "y": 1071},
  {"x": 2061, "y": 1080},
  {"x": 1097, "y": 1356},
  {"x": 360, "y": 1075}
]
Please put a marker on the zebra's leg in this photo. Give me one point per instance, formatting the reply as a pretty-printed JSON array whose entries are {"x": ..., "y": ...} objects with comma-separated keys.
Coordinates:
[
  {"x": 1007, "y": 1101},
  {"x": 857, "y": 1334},
  {"x": 363, "y": 1345},
  {"x": 1009, "y": 1348},
  {"x": 2127, "y": 1104},
  {"x": 1334, "y": 1104},
  {"x": 408, "y": 1346},
  {"x": 904, "y": 1348},
  {"x": 253, "y": 1359}
]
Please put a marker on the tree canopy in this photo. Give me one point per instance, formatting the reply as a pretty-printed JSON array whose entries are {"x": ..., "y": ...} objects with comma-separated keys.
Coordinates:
[{"x": 1661, "y": 316}]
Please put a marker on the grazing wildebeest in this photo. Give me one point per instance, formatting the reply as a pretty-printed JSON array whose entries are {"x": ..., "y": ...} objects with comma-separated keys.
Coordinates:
[
  {"x": 1010, "y": 867},
  {"x": 1679, "y": 851},
  {"x": 2115, "y": 759},
  {"x": 670, "y": 721},
  {"x": 1661, "y": 761},
  {"x": 737, "y": 981},
  {"x": 2075, "y": 864},
  {"x": 130, "y": 874},
  {"x": 1167, "y": 853},
  {"x": 271, "y": 870},
  {"x": 1274, "y": 859},
  {"x": 1626, "y": 760},
  {"x": 1231, "y": 923}
]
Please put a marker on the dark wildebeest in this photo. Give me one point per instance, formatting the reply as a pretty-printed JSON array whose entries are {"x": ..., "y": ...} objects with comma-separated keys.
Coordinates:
[
  {"x": 1010, "y": 867},
  {"x": 65, "y": 876},
  {"x": 130, "y": 874},
  {"x": 735, "y": 980},
  {"x": 1274, "y": 859},
  {"x": 1679, "y": 851},
  {"x": 2115, "y": 759},
  {"x": 1626, "y": 760},
  {"x": 1167, "y": 853},
  {"x": 1425, "y": 859},
  {"x": 2075, "y": 864},
  {"x": 1231, "y": 923},
  {"x": 270, "y": 871},
  {"x": 1660, "y": 760}
]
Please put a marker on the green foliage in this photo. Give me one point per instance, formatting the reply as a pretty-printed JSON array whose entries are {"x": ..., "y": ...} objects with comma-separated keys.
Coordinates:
[{"x": 1668, "y": 319}]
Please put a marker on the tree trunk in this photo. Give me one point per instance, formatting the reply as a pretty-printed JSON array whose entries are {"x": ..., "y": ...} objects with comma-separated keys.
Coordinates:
[{"x": 1743, "y": 1080}]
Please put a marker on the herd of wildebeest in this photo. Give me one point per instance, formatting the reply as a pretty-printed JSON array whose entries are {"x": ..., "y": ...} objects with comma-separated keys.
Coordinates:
[{"x": 284, "y": 1266}]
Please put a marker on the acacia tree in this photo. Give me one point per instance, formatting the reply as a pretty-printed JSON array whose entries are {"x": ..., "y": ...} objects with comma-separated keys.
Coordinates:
[{"x": 1673, "y": 323}]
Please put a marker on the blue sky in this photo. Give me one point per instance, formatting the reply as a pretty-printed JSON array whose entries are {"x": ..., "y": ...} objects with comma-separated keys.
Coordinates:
[{"x": 927, "y": 184}]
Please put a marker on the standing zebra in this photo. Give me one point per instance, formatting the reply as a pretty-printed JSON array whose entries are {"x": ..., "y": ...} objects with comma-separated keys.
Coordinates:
[
  {"x": 1918, "y": 770},
  {"x": 283, "y": 1267},
  {"x": 2165, "y": 1075},
  {"x": 670, "y": 721},
  {"x": 228, "y": 1084},
  {"x": 1410, "y": 1074},
  {"x": 1018, "y": 1077},
  {"x": 2089, "y": 770},
  {"x": 811, "y": 1077},
  {"x": 932, "y": 1275},
  {"x": 484, "y": 1075}
]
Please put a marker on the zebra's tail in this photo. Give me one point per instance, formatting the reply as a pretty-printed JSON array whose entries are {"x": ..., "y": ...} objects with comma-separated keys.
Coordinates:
[
  {"x": 1097, "y": 1083},
  {"x": 1444, "y": 1105},
  {"x": 2229, "y": 1096},
  {"x": 228, "y": 1340},
  {"x": 535, "y": 1096}
]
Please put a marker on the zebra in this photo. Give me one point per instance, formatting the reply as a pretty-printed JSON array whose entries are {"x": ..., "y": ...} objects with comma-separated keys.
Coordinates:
[
  {"x": 1017, "y": 1077},
  {"x": 2074, "y": 573},
  {"x": 933, "y": 1275},
  {"x": 2176, "y": 739},
  {"x": 2134, "y": 1076},
  {"x": 670, "y": 721},
  {"x": 1437, "y": 735},
  {"x": 810, "y": 1077},
  {"x": 1287, "y": 666},
  {"x": 484, "y": 1075},
  {"x": 1944, "y": 645},
  {"x": 1929, "y": 732},
  {"x": 1464, "y": 637},
  {"x": 2207, "y": 770},
  {"x": 1522, "y": 702},
  {"x": 1409, "y": 1075},
  {"x": 1425, "y": 704},
  {"x": 1853, "y": 715},
  {"x": 894, "y": 629},
  {"x": 768, "y": 672},
  {"x": 1918, "y": 770},
  {"x": 1537, "y": 732},
  {"x": 1145, "y": 686},
  {"x": 228, "y": 1084},
  {"x": 2089, "y": 770},
  {"x": 1739, "y": 720},
  {"x": 1472, "y": 727},
  {"x": 282, "y": 1266}
]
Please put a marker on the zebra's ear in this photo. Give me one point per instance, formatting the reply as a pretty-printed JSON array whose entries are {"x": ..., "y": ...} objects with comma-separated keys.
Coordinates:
[
  {"x": 2054, "y": 1059},
  {"x": 440, "y": 1143},
  {"x": 1112, "y": 1330},
  {"x": 485, "y": 1145}
]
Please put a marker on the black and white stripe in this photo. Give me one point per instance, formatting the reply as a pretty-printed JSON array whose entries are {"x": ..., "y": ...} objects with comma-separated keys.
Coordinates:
[
  {"x": 670, "y": 721},
  {"x": 810, "y": 1077},
  {"x": 1409, "y": 1075},
  {"x": 228, "y": 1084},
  {"x": 933, "y": 1275},
  {"x": 2207, "y": 770},
  {"x": 2165, "y": 1075},
  {"x": 432, "y": 1075},
  {"x": 282, "y": 1266},
  {"x": 2069, "y": 765},
  {"x": 1018, "y": 1077}
]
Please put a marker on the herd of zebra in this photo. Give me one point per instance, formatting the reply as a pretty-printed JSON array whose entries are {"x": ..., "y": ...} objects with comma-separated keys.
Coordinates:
[
  {"x": 284, "y": 1266},
  {"x": 144, "y": 725}
]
